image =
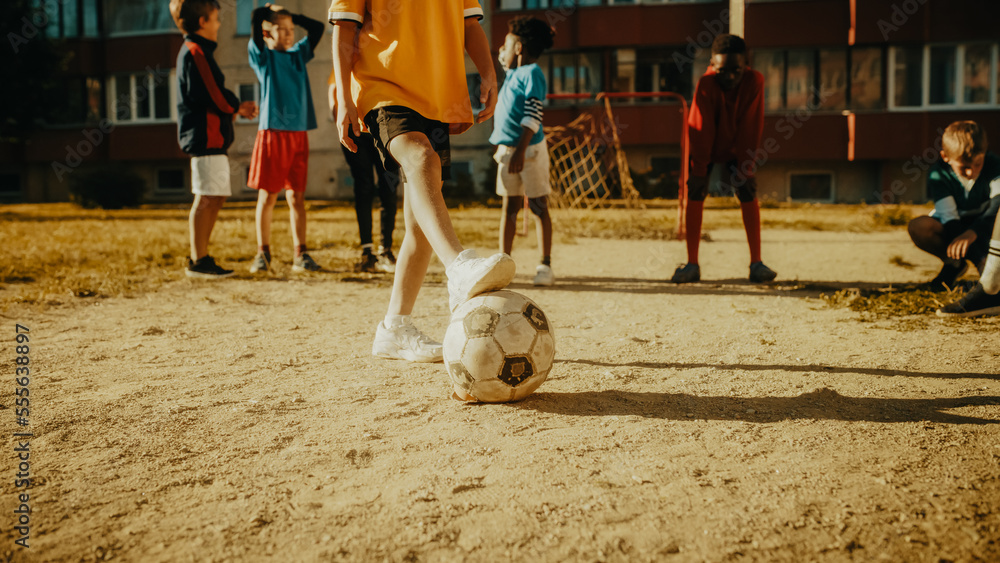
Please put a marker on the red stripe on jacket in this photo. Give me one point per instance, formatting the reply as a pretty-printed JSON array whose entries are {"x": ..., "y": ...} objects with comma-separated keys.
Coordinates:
[
  {"x": 209, "y": 79},
  {"x": 725, "y": 126},
  {"x": 213, "y": 129}
]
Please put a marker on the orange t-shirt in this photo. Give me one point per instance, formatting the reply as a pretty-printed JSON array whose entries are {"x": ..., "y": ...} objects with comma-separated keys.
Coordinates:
[{"x": 411, "y": 54}]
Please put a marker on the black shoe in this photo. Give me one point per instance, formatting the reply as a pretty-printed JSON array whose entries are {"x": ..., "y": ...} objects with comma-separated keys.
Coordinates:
[
  {"x": 949, "y": 274},
  {"x": 975, "y": 303},
  {"x": 759, "y": 273},
  {"x": 367, "y": 264},
  {"x": 386, "y": 261},
  {"x": 206, "y": 268}
]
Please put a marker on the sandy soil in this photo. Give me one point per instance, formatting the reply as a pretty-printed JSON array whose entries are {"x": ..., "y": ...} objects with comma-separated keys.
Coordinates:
[{"x": 246, "y": 421}]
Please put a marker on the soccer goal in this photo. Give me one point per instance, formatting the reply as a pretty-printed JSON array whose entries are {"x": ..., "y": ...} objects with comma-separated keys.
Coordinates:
[{"x": 589, "y": 168}]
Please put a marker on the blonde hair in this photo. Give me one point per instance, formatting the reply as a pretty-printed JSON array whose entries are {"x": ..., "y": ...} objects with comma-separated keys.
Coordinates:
[{"x": 964, "y": 140}]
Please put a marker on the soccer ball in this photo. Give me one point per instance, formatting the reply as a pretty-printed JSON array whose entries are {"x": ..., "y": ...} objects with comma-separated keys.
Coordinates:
[{"x": 498, "y": 347}]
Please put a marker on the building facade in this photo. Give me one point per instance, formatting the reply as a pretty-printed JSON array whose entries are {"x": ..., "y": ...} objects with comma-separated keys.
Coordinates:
[
  {"x": 856, "y": 91},
  {"x": 120, "y": 105}
]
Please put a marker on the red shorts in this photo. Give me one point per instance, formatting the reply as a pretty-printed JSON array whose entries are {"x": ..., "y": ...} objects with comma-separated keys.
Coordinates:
[{"x": 280, "y": 160}]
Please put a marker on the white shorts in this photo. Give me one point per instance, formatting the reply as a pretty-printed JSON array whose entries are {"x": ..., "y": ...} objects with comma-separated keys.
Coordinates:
[
  {"x": 533, "y": 180},
  {"x": 210, "y": 175}
]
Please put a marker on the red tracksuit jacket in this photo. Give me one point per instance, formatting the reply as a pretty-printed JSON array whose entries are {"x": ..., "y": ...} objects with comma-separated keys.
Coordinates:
[{"x": 725, "y": 126}]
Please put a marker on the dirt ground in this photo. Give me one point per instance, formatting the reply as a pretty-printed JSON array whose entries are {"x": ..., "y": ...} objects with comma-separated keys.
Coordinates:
[{"x": 246, "y": 420}]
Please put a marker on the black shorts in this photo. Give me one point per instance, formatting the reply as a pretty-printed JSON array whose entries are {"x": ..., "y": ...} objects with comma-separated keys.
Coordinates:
[
  {"x": 743, "y": 187},
  {"x": 388, "y": 122}
]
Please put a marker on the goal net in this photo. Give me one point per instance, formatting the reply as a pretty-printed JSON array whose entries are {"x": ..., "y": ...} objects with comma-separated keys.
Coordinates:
[{"x": 588, "y": 165}]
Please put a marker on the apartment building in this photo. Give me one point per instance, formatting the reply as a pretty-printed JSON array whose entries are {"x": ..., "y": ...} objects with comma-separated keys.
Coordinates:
[{"x": 857, "y": 91}]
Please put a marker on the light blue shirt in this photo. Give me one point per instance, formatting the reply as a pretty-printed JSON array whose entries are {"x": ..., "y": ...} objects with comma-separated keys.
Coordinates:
[
  {"x": 285, "y": 97},
  {"x": 520, "y": 105}
]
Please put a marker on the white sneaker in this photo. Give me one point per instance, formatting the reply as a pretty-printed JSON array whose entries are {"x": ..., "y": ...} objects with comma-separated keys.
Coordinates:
[
  {"x": 544, "y": 275},
  {"x": 406, "y": 342},
  {"x": 469, "y": 275}
]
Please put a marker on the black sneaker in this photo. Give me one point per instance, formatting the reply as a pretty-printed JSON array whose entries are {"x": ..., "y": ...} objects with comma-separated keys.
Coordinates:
[
  {"x": 949, "y": 274},
  {"x": 386, "y": 261},
  {"x": 206, "y": 268},
  {"x": 367, "y": 264},
  {"x": 687, "y": 273},
  {"x": 975, "y": 303},
  {"x": 759, "y": 273}
]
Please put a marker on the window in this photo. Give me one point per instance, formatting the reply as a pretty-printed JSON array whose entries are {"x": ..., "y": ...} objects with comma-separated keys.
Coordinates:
[
  {"x": 244, "y": 15},
  {"x": 563, "y": 73},
  {"x": 819, "y": 78},
  {"x": 624, "y": 80},
  {"x": 652, "y": 70},
  {"x": 573, "y": 73},
  {"x": 248, "y": 92},
  {"x": 976, "y": 74},
  {"x": 142, "y": 97},
  {"x": 866, "y": 78},
  {"x": 942, "y": 85},
  {"x": 771, "y": 63},
  {"x": 832, "y": 79},
  {"x": 907, "y": 70},
  {"x": 170, "y": 180},
  {"x": 91, "y": 15},
  {"x": 77, "y": 100},
  {"x": 136, "y": 17},
  {"x": 69, "y": 18},
  {"x": 811, "y": 186},
  {"x": 943, "y": 76},
  {"x": 10, "y": 186},
  {"x": 799, "y": 79}
]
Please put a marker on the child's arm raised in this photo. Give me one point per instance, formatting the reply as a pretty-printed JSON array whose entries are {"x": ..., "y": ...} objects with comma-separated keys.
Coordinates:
[
  {"x": 260, "y": 15},
  {"x": 313, "y": 27},
  {"x": 478, "y": 48},
  {"x": 345, "y": 34}
]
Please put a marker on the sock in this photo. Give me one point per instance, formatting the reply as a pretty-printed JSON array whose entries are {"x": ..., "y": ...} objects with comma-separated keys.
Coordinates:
[
  {"x": 396, "y": 321},
  {"x": 990, "y": 277},
  {"x": 367, "y": 248},
  {"x": 547, "y": 260},
  {"x": 300, "y": 250},
  {"x": 693, "y": 215},
  {"x": 264, "y": 249},
  {"x": 751, "y": 222}
]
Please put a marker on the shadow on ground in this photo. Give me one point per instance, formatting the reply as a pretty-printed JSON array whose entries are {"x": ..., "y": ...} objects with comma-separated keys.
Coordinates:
[
  {"x": 792, "y": 288},
  {"x": 823, "y": 404},
  {"x": 809, "y": 368}
]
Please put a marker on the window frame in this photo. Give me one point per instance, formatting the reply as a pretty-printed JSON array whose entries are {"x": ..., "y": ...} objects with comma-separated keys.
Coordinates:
[
  {"x": 256, "y": 99},
  {"x": 812, "y": 172},
  {"x": 111, "y": 92},
  {"x": 925, "y": 79},
  {"x": 185, "y": 188}
]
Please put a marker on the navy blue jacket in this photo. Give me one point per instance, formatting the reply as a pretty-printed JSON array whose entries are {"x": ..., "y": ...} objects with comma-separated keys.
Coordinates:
[{"x": 204, "y": 107}]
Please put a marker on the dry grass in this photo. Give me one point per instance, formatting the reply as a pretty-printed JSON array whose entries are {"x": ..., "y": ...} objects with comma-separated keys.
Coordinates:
[
  {"x": 890, "y": 303},
  {"x": 58, "y": 253}
]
